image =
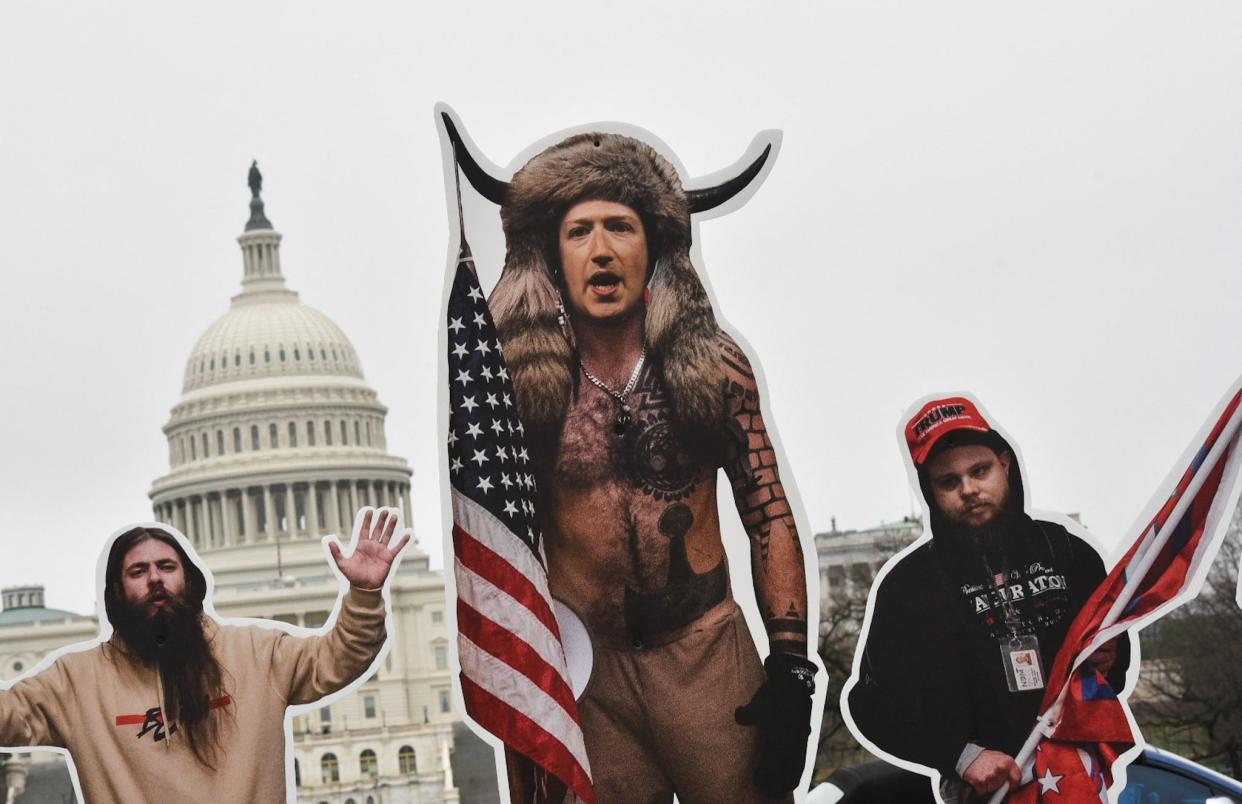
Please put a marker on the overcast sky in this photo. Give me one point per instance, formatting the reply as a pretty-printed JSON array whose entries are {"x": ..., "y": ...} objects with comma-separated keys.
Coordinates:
[{"x": 1038, "y": 203}]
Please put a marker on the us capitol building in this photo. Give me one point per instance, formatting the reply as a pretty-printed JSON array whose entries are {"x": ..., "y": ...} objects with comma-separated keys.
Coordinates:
[{"x": 276, "y": 441}]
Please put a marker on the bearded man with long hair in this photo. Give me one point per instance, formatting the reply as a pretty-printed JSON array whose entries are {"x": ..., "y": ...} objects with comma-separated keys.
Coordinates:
[{"x": 175, "y": 706}]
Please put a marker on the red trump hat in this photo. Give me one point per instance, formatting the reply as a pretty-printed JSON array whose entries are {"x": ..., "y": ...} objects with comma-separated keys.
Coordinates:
[{"x": 937, "y": 419}]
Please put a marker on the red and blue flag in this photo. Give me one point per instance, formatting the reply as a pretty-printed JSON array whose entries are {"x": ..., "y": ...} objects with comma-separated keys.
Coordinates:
[{"x": 1086, "y": 727}]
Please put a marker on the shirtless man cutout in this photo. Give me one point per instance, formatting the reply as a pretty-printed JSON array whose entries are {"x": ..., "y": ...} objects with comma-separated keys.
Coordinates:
[{"x": 632, "y": 397}]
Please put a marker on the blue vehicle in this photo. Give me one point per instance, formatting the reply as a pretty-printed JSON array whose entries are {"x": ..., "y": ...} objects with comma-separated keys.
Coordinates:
[{"x": 1155, "y": 777}]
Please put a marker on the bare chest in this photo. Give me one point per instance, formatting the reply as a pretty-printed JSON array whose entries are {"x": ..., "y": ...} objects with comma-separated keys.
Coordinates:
[{"x": 642, "y": 460}]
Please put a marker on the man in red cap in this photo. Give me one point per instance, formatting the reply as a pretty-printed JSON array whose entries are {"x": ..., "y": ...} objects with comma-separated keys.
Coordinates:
[{"x": 966, "y": 626}]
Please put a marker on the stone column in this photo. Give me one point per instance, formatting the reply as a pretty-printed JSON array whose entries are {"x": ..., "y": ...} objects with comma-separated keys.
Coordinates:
[
  {"x": 187, "y": 526},
  {"x": 213, "y": 519},
  {"x": 334, "y": 508},
  {"x": 291, "y": 510},
  {"x": 179, "y": 517},
  {"x": 200, "y": 522},
  {"x": 409, "y": 510},
  {"x": 227, "y": 515},
  {"x": 247, "y": 506},
  {"x": 353, "y": 501},
  {"x": 269, "y": 508},
  {"x": 312, "y": 510}
]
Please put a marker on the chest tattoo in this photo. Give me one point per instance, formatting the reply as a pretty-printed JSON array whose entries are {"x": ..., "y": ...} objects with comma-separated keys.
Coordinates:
[{"x": 655, "y": 459}]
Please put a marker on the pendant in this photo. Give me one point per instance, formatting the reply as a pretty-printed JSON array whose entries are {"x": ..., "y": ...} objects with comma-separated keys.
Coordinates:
[{"x": 622, "y": 421}]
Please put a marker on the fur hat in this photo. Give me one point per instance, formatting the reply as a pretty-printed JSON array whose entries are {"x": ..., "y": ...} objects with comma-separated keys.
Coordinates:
[{"x": 681, "y": 331}]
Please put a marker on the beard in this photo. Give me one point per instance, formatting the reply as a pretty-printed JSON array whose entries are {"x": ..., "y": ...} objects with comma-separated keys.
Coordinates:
[
  {"x": 171, "y": 639},
  {"x": 164, "y": 636}
]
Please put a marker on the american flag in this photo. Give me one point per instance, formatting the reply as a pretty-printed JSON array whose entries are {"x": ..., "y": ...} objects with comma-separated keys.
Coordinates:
[
  {"x": 1085, "y": 728},
  {"x": 513, "y": 672}
]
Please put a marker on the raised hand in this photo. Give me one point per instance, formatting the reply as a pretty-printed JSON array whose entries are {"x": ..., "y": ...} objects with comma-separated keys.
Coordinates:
[{"x": 369, "y": 563}]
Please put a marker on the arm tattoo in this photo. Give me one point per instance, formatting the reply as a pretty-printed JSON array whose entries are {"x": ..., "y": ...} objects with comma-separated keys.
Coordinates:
[
  {"x": 751, "y": 467},
  {"x": 787, "y": 634}
]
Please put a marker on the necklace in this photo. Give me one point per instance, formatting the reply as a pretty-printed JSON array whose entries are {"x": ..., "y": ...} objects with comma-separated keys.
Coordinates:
[{"x": 623, "y": 412}]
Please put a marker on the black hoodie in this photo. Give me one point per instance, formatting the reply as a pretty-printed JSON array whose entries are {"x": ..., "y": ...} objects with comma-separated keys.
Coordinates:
[{"x": 932, "y": 677}]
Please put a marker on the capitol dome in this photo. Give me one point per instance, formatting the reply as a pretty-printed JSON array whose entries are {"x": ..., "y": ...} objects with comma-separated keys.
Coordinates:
[
  {"x": 269, "y": 337},
  {"x": 276, "y": 437}
]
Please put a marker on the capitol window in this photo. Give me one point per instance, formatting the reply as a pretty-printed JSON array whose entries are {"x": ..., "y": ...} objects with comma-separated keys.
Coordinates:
[
  {"x": 219, "y": 442},
  {"x": 368, "y": 706},
  {"x": 357, "y": 433},
  {"x": 252, "y": 357},
  {"x": 293, "y": 434},
  {"x": 237, "y": 447},
  {"x": 193, "y": 450},
  {"x": 254, "y": 436},
  {"x": 344, "y": 434},
  {"x": 327, "y": 433},
  {"x": 310, "y": 354},
  {"x": 331, "y": 770},
  {"x": 405, "y": 760},
  {"x": 368, "y": 765},
  {"x": 297, "y": 353},
  {"x": 310, "y": 434},
  {"x": 441, "y": 654},
  {"x": 272, "y": 435},
  {"x": 445, "y": 702},
  {"x": 206, "y": 454},
  {"x": 282, "y": 355},
  {"x": 267, "y": 356},
  {"x": 237, "y": 359}
]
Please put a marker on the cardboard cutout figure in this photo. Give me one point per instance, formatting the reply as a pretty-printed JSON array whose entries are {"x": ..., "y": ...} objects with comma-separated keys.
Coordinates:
[
  {"x": 963, "y": 626},
  {"x": 171, "y": 702},
  {"x": 627, "y": 396}
]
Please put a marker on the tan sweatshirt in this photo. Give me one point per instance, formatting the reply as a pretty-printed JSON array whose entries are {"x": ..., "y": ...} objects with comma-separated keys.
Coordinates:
[{"x": 103, "y": 707}]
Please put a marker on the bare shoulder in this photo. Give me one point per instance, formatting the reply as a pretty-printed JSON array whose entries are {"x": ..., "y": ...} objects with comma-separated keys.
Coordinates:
[{"x": 737, "y": 367}]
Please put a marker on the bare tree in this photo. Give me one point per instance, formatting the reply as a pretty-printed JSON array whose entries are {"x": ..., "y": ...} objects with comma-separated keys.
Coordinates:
[
  {"x": 1190, "y": 692},
  {"x": 840, "y": 623}
]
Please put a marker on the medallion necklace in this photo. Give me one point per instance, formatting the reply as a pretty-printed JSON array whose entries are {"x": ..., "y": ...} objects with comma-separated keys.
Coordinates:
[{"x": 623, "y": 410}]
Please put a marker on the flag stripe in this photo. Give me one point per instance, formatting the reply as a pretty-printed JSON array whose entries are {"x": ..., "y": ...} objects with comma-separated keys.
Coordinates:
[
  {"x": 499, "y": 538},
  {"x": 497, "y": 606},
  {"x": 502, "y": 644},
  {"x": 489, "y": 565},
  {"x": 526, "y": 737},
  {"x": 517, "y": 691}
]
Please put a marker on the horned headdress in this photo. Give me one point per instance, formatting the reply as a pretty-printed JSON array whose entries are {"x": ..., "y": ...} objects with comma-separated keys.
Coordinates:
[{"x": 681, "y": 330}]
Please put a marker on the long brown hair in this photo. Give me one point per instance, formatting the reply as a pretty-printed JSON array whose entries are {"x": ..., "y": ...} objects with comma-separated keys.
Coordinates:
[{"x": 189, "y": 671}]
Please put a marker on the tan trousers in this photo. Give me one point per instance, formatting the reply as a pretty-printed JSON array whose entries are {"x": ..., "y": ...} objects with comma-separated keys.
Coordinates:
[{"x": 659, "y": 720}]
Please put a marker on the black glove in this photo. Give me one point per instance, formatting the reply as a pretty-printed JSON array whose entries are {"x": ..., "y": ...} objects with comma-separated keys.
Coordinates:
[{"x": 782, "y": 711}]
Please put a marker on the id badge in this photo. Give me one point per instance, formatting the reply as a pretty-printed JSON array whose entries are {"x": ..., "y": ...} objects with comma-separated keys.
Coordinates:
[{"x": 1023, "y": 668}]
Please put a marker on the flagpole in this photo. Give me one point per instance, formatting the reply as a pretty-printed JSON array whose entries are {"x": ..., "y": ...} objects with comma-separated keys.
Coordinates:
[{"x": 1149, "y": 555}]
